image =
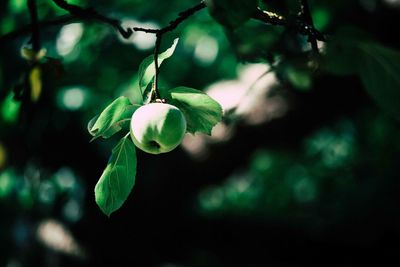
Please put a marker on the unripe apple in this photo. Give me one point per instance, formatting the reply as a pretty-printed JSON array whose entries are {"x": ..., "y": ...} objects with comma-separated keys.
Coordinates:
[{"x": 157, "y": 127}]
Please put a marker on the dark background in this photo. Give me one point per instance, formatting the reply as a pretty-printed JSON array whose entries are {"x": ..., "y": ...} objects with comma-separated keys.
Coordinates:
[{"x": 316, "y": 185}]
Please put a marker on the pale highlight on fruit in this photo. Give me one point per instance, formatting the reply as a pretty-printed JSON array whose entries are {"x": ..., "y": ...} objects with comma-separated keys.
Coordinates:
[{"x": 157, "y": 128}]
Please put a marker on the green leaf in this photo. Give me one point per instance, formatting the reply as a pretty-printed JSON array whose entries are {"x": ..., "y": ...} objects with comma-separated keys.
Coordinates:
[
  {"x": 301, "y": 79},
  {"x": 91, "y": 124},
  {"x": 114, "y": 117},
  {"x": 147, "y": 67},
  {"x": 118, "y": 178},
  {"x": 202, "y": 112},
  {"x": 380, "y": 75}
]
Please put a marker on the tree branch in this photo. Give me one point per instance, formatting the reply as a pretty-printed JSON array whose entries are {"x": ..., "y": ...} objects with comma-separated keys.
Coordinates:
[
  {"x": 91, "y": 14},
  {"x": 182, "y": 16},
  {"x": 76, "y": 14},
  {"x": 298, "y": 25},
  {"x": 81, "y": 14},
  {"x": 34, "y": 25}
]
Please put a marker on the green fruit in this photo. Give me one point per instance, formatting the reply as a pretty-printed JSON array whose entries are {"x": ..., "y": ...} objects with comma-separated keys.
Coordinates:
[{"x": 157, "y": 128}]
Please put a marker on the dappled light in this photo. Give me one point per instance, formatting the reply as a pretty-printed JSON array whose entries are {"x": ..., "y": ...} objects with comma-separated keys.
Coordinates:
[
  {"x": 206, "y": 51},
  {"x": 248, "y": 97},
  {"x": 72, "y": 98},
  {"x": 68, "y": 38},
  {"x": 197, "y": 146},
  {"x": 54, "y": 235}
]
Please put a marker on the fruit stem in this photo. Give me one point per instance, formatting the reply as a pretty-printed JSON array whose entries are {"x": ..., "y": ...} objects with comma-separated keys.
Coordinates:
[{"x": 155, "y": 94}]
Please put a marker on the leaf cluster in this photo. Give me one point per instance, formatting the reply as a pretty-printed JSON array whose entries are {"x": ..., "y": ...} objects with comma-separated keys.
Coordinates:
[{"x": 201, "y": 112}]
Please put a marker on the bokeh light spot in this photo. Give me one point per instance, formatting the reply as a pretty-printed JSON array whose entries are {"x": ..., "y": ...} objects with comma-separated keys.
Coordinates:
[
  {"x": 17, "y": 6},
  {"x": 206, "y": 50},
  {"x": 10, "y": 108},
  {"x": 6, "y": 183},
  {"x": 211, "y": 198},
  {"x": 68, "y": 37},
  {"x": 57, "y": 237},
  {"x": 72, "y": 210},
  {"x": 304, "y": 190},
  {"x": 72, "y": 98},
  {"x": 47, "y": 192},
  {"x": 65, "y": 178}
]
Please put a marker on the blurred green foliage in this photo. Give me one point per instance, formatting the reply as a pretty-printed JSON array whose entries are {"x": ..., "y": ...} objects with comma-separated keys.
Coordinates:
[
  {"x": 33, "y": 190},
  {"x": 328, "y": 163},
  {"x": 322, "y": 174}
]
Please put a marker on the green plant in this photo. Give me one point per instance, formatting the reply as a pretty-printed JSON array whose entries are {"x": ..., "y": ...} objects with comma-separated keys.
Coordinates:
[
  {"x": 156, "y": 124},
  {"x": 348, "y": 53}
]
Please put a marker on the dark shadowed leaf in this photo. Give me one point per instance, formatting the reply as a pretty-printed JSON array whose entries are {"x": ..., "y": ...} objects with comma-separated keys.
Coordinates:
[
  {"x": 118, "y": 178},
  {"x": 114, "y": 117},
  {"x": 380, "y": 74},
  {"x": 342, "y": 54},
  {"x": 202, "y": 112},
  {"x": 354, "y": 52},
  {"x": 231, "y": 13}
]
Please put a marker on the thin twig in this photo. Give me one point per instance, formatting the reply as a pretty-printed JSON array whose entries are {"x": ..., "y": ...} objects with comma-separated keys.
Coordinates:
[
  {"x": 183, "y": 16},
  {"x": 175, "y": 23},
  {"x": 34, "y": 25},
  {"x": 269, "y": 17},
  {"x": 146, "y": 30}
]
